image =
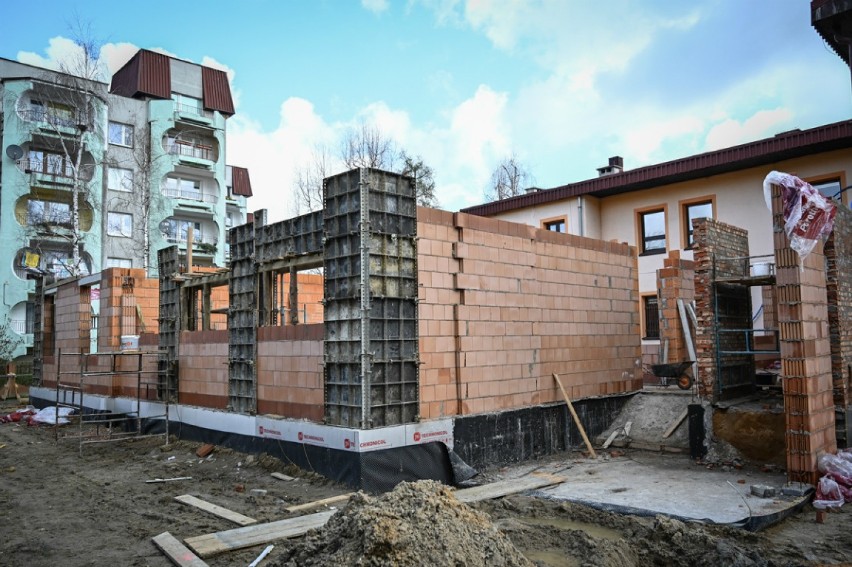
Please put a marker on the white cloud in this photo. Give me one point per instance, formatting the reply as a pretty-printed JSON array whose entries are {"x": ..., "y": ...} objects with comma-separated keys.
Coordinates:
[
  {"x": 762, "y": 124},
  {"x": 375, "y": 6}
]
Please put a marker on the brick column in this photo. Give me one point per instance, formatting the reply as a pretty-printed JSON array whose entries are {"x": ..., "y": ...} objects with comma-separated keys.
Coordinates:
[
  {"x": 805, "y": 353},
  {"x": 676, "y": 280}
]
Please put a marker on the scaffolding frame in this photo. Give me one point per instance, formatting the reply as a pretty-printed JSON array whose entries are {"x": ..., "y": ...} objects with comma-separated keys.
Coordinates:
[{"x": 114, "y": 423}]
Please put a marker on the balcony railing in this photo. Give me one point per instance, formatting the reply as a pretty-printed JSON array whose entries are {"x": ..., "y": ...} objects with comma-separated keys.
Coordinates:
[
  {"x": 191, "y": 150},
  {"x": 21, "y": 326},
  {"x": 56, "y": 119},
  {"x": 190, "y": 195},
  {"x": 65, "y": 171}
]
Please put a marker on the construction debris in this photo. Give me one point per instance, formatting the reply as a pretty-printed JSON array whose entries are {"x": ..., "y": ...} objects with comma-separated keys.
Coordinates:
[{"x": 216, "y": 510}]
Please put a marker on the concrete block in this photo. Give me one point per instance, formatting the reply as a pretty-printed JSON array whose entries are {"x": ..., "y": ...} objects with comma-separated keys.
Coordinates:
[
  {"x": 796, "y": 489},
  {"x": 763, "y": 490}
]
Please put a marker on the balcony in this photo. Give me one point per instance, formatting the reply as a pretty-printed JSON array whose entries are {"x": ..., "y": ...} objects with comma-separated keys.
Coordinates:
[
  {"x": 63, "y": 122},
  {"x": 23, "y": 328},
  {"x": 190, "y": 195},
  {"x": 49, "y": 172},
  {"x": 193, "y": 113}
]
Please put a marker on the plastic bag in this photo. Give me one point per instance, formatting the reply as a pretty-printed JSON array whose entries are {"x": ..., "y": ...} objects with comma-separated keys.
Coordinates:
[
  {"x": 49, "y": 415},
  {"x": 829, "y": 463},
  {"x": 828, "y": 494},
  {"x": 808, "y": 216}
]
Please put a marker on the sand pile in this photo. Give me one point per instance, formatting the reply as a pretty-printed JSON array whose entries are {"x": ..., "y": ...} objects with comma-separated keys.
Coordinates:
[{"x": 418, "y": 523}]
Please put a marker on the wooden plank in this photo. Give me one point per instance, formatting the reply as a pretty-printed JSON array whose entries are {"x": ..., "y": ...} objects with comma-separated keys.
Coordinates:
[
  {"x": 318, "y": 503},
  {"x": 216, "y": 510},
  {"x": 576, "y": 418},
  {"x": 239, "y": 538},
  {"x": 627, "y": 427},
  {"x": 687, "y": 335},
  {"x": 282, "y": 476},
  {"x": 506, "y": 487},
  {"x": 675, "y": 424},
  {"x": 176, "y": 551},
  {"x": 611, "y": 438}
]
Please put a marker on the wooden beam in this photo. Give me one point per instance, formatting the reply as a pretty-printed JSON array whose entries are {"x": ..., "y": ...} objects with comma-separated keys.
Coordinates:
[
  {"x": 239, "y": 538},
  {"x": 177, "y": 552},
  {"x": 506, "y": 487},
  {"x": 675, "y": 424},
  {"x": 216, "y": 510},
  {"x": 318, "y": 503},
  {"x": 687, "y": 335},
  {"x": 576, "y": 418},
  {"x": 282, "y": 476}
]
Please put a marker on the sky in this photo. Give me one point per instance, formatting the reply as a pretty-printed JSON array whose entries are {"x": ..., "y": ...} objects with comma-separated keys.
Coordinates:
[{"x": 562, "y": 85}]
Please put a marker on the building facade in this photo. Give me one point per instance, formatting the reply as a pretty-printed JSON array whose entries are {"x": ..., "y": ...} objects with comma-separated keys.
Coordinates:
[
  {"x": 652, "y": 208},
  {"x": 96, "y": 175}
]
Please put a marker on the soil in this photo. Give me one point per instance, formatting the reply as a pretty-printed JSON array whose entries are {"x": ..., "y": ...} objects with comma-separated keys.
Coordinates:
[{"x": 64, "y": 506}]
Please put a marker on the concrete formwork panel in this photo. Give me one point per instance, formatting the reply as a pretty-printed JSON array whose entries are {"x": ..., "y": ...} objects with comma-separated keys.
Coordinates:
[{"x": 371, "y": 337}]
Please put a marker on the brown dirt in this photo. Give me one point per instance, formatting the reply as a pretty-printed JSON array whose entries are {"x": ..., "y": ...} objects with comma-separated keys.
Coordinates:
[{"x": 61, "y": 507}]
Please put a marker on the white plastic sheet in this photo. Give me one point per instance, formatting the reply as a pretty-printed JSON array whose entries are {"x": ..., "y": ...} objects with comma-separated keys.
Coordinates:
[{"x": 49, "y": 415}]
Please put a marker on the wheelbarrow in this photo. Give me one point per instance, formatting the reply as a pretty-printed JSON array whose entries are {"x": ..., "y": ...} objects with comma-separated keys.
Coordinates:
[{"x": 677, "y": 371}]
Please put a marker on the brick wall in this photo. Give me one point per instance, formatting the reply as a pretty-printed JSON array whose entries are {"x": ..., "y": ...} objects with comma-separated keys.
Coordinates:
[
  {"x": 676, "y": 280},
  {"x": 203, "y": 378},
  {"x": 504, "y": 305},
  {"x": 290, "y": 371},
  {"x": 805, "y": 353},
  {"x": 838, "y": 256},
  {"x": 122, "y": 290},
  {"x": 310, "y": 297},
  {"x": 715, "y": 242}
]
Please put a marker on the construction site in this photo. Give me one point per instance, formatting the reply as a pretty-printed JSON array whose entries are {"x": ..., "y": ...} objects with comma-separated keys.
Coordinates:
[{"x": 496, "y": 366}]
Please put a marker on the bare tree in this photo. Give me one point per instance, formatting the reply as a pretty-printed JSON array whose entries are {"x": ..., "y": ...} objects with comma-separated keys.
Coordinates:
[
  {"x": 9, "y": 343},
  {"x": 367, "y": 146},
  {"x": 510, "y": 178},
  {"x": 424, "y": 180},
  {"x": 70, "y": 106},
  {"x": 307, "y": 187}
]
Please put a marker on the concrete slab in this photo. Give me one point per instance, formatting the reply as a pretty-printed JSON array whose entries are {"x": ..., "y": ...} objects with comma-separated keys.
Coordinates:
[{"x": 646, "y": 483}]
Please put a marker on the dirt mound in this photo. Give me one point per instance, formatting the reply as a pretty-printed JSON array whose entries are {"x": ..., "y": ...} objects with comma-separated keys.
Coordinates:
[{"x": 418, "y": 523}]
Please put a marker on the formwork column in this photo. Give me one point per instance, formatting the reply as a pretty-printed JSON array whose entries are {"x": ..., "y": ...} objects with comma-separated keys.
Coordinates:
[
  {"x": 168, "y": 262},
  {"x": 805, "y": 352},
  {"x": 243, "y": 317},
  {"x": 370, "y": 257}
]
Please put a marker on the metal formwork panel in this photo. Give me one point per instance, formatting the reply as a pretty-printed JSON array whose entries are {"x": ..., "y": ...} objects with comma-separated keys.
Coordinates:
[
  {"x": 168, "y": 262},
  {"x": 291, "y": 237},
  {"x": 370, "y": 276},
  {"x": 38, "y": 341},
  {"x": 242, "y": 321}
]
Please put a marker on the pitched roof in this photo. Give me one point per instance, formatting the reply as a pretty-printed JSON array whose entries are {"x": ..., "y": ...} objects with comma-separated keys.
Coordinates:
[{"x": 783, "y": 146}]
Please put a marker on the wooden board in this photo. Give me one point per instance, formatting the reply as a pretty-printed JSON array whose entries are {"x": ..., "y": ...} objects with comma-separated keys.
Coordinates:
[
  {"x": 675, "y": 424},
  {"x": 176, "y": 551},
  {"x": 576, "y": 417},
  {"x": 318, "y": 503},
  {"x": 282, "y": 476},
  {"x": 216, "y": 510},
  {"x": 506, "y": 487},
  {"x": 239, "y": 538}
]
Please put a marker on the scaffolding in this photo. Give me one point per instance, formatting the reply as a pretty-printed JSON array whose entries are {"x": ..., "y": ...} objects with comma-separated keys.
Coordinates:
[
  {"x": 104, "y": 426},
  {"x": 736, "y": 338}
]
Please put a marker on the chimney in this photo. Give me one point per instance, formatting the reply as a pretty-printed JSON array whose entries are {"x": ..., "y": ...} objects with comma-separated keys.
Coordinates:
[
  {"x": 532, "y": 189},
  {"x": 616, "y": 165}
]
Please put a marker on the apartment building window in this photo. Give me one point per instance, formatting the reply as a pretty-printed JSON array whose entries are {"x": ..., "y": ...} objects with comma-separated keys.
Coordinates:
[
  {"x": 120, "y": 179},
  {"x": 120, "y": 134},
  {"x": 187, "y": 104},
  {"x": 652, "y": 231},
  {"x": 48, "y": 212},
  {"x": 558, "y": 224},
  {"x": 828, "y": 188},
  {"x": 112, "y": 262},
  {"x": 54, "y": 113},
  {"x": 119, "y": 224},
  {"x": 651, "y": 317},
  {"x": 178, "y": 230},
  {"x": 50, "y": 163},
  {"x": 694, "y": 210}
]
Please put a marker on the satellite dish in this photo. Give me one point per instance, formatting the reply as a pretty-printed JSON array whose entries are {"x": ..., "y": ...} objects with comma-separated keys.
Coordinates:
[
  {"x": 165, "y": 226},
  {"x": 15, "y": 152}
]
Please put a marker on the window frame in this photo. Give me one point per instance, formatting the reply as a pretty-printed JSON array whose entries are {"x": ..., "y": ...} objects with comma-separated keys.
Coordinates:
[
  {"x": 116, "y": 262},
  {"x": 641, "y": 241},
  {"x": 120, "y": 187},
  {"x": 686, "y": 228},
  {"x": 546, "y": 223},
  {"x": 120, "y": 233},
  {"x": 644, "y": 300},
  {"x": 838, "y": 176},
  {"x": 127, "y": 134}
]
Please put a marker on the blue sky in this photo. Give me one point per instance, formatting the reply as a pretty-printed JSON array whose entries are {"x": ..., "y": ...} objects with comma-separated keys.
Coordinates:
[{"x": 561, "y": 84}]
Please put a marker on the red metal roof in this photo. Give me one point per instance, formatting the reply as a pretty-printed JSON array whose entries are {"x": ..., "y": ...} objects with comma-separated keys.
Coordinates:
[
  {"x": 241, "y": 184},
  {"x": 782, "y": 146},
  {"x": 147, "y": 74},
  {"x": 217, "y": 91}
]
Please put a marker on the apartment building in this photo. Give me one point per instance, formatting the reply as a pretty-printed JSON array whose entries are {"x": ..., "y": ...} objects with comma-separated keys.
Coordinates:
[
  {"x": 96, "y": 175},
  {"x": 652, "y": 207}
]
